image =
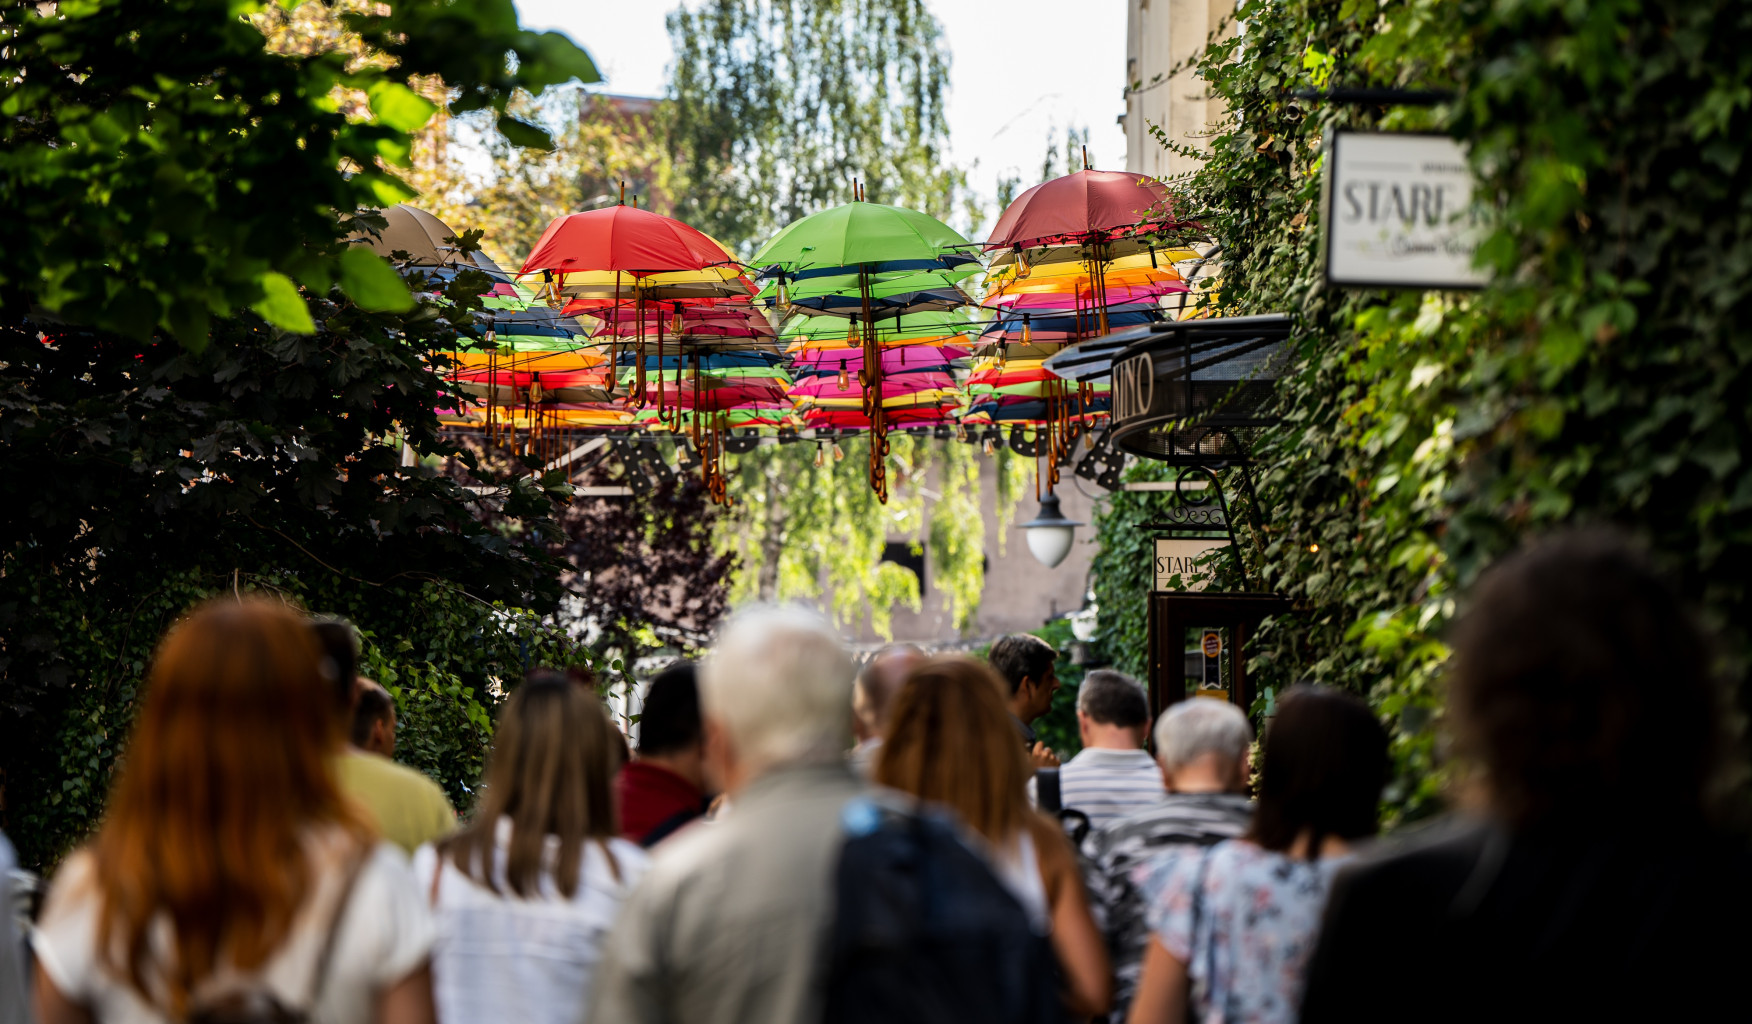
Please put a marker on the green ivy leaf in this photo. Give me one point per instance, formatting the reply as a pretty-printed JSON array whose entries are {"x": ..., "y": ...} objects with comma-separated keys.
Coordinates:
[
  {"x": 399, "y": 107},
  {"x": 370, "y": 281},
  {"x": 283, "y": 305},
  {"x": 522, "y": 133}
]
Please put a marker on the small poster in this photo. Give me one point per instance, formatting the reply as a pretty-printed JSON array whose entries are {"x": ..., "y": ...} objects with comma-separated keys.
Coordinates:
[
  {"x": 1397, "y": 212},
  {"x": 1184, "y": 564}
]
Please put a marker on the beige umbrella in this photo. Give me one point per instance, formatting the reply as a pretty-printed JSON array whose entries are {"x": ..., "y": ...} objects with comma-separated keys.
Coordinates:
[{"x": 417, "y": 233}]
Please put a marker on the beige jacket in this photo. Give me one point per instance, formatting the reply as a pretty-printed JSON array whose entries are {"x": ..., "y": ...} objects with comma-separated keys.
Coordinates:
[{"x": 730, "y": 924}]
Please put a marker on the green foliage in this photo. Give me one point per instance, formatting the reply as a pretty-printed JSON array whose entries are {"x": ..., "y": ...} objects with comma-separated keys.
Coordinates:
[
  {"x": 775, "y": 106},
  {"x": 202, "y": 390},
  {"x": 161, "y": 167},
  {"x": 1601, "y": 377}
]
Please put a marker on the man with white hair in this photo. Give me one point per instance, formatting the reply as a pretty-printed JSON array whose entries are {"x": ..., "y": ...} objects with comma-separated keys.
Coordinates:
[
  {"x": 729, "y": 923},
  {"x": 1202, "y": 748}
]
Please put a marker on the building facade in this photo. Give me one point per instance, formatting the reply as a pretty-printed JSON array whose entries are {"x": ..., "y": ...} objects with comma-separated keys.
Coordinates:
[{"x": 1162, "y": 37}]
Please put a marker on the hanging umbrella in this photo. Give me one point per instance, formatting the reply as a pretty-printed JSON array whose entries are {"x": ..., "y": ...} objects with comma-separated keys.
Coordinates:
[
  {"x": 860, "y": 243},
  {"x": 622, "y": 238},
  {"x": 417, "y": 233},
  {"x": 1083, "y": 207}
]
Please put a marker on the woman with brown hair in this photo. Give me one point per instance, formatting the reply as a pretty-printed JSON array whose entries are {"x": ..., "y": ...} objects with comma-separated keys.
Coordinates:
[
  {"x": 230, "y": 879},
  {"x": 525, "y": 894},
  {"x": 951, "y": 741}
]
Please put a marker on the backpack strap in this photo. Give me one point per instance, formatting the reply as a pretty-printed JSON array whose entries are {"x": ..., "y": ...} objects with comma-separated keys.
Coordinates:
[
  {"x": 1046, "y": 790},
  {"x": 355, "y": 868}
]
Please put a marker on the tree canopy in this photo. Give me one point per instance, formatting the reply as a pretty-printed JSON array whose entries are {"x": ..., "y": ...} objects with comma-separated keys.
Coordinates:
[{"x": 204, "y": 390}]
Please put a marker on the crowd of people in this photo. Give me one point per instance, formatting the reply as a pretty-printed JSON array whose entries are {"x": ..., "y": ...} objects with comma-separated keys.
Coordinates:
[{"x": 789, "y": 838}]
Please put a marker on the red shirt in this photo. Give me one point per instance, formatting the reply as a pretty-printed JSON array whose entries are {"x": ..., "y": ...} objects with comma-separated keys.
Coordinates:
[{"x": 650, "y": 795}]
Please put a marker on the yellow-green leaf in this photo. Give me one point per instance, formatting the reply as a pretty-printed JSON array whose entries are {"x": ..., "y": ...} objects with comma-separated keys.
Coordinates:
[
  {"x": 282, "y": 305},
  {"x": 400, "y": 107},
  {"x": 370, "y": 281}
]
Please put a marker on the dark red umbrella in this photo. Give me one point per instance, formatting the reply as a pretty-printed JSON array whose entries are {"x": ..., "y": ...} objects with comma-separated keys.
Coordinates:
[
  {"x": 622, "y": 238},
  {"x": 1088, "y": 206}
]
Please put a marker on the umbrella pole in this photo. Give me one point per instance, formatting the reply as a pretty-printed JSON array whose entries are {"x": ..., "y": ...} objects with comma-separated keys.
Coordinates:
[
  {"x": 873, "y": 392},
  {"x": 639, "y": 395},
  {"x": 659, "y": 363},
  {"x": 614, "y": 336}
]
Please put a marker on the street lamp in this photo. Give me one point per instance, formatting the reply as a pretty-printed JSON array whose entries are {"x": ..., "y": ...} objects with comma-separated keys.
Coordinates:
[{"x": 1050, "y": 533}]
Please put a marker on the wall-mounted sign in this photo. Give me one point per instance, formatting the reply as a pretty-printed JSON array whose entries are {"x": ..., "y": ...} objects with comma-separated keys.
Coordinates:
[
  {"x": 1396, "y": 211},
  {"x": 1211, "y": 643},
  {"x": 1184, "y": 564},
  {"x": 1134, "y": 387}
]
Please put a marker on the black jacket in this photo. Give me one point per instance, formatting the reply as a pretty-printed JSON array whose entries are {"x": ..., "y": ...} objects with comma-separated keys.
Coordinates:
[{"x": 1640, "y": 920}]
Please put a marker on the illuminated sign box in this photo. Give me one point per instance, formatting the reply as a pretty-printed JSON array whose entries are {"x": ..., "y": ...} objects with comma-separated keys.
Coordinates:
[{"x": 1397, "y": 212}]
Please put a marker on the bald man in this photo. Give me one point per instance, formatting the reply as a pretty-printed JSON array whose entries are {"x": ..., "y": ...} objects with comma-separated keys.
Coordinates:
[{"x": 873, "y": 694}]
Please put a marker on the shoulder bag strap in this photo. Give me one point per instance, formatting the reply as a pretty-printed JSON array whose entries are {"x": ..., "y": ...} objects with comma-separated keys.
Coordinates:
[
  {"x": 1198, "y": 908},
  {"x": 320, "y": 977}
]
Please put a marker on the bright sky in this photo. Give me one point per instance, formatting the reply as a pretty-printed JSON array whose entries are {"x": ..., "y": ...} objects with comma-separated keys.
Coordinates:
[{"x": 1020, "y": 69}]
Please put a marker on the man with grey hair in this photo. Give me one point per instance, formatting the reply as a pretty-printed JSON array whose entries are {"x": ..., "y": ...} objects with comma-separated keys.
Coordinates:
[
  {"x": 729, "y": 923},
  {"x": 1112, "y": 776},
  {"x": 1202, "y": 747}
]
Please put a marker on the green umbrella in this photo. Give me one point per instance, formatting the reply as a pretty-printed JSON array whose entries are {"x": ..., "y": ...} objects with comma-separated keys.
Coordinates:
[{"x": 860, "y": 233}]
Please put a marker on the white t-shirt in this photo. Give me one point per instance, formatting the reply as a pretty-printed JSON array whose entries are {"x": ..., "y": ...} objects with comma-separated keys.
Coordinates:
[
  {"x": 385, "y": 934},
  {"x": 507, "y": 958}
]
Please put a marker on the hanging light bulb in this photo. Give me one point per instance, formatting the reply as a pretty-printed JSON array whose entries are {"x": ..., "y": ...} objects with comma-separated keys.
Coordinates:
[
  {"x": 988, "y": 447},
  {"x": 820, "y": 455},
  {"x": 845, "y": 380},
  {"x": 961, "y": 432},
  {"x": 675, "y": 321},
  {"x": 839, "y": 453},
  {"x": 492, "y": 338},
  {"x": 1022, "y": 261},
  {"x": 852, "y": 334},
  {"x": 1027, "y": 331},
  {"x": 784, "y": 296}
]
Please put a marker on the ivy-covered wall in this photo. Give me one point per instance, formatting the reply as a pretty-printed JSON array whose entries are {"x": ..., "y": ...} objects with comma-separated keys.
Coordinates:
[{"x": 1603, "y": 376}]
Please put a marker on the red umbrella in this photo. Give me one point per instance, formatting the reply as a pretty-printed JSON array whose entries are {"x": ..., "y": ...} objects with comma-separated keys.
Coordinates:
[
  {"x": 1105, "y": 204},
  {"x": 622, "y": 238}
]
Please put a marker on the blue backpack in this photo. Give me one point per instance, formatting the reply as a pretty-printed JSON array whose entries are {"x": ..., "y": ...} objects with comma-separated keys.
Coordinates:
[{"x": 925, "y": 933}]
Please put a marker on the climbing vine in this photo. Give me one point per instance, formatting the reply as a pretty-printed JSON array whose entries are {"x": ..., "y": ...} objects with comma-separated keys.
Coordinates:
[{"x": 1600, "y": 377}]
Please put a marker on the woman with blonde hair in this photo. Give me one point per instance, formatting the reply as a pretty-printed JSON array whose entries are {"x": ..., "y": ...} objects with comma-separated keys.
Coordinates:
[
  {"x": 525, "y": 894},
  {"x": 951, "y": 741},
  {"x": 230, "y": 880}
]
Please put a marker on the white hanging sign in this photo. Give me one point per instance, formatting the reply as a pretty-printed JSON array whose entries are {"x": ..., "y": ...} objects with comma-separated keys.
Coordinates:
[
  {"x": 1185, "y": 564},
  {"x": 1396, "y": 211}
]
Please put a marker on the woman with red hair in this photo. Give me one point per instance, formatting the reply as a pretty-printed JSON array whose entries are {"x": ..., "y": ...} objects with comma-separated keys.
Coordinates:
[{"x": 231, "y": 880}]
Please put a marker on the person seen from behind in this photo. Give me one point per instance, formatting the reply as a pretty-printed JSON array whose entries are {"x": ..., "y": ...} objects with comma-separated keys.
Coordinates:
[
  {"x": 664, "y": 786},
  {"x": 231, "y": 879},
  {"x": 524, "y": 894},
  {"x": 1202, "y": 750},
  {"x": 1589, "y": 878},
  {"x": 1026, "y": 663},
  {"x": 407, "y": 808},
  {"x": 1113, "y": 775},
  {"x": 952, "y": 742},
  {"x": 1232, "y": 929},
  {"x": 730, "y": 922},
  {"x": 374, "y": 720},
  {"x": 873, "y": 697}
]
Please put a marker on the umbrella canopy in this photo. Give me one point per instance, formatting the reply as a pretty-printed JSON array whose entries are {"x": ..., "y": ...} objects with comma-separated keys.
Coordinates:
[
  {"x": 1084, "y": 206},
  {"x": 622, "y": 238},
  {"x": 417, "y": 233},
  {"x": 863, "y": 234}
]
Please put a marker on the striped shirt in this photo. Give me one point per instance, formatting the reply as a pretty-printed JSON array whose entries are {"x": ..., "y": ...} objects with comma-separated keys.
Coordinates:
[
  {"x": 1109, "y": 784},
  {"x": 1120, "y": 852}
]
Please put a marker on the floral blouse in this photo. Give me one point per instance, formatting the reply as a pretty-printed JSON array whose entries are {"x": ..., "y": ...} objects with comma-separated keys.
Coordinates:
[{"x": 1246, "y": 941}]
